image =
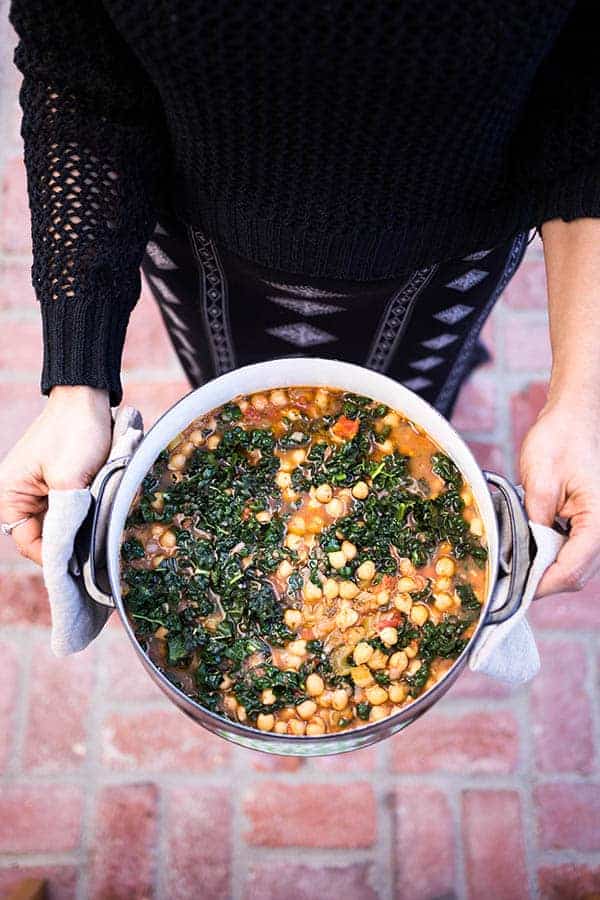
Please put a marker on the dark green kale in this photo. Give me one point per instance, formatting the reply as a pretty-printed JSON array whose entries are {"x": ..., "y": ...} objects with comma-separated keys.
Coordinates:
[
  {"x": 447, "y": 470},
  {"x": 132, "y": 549},
  {"x": 363, "y": 710}
]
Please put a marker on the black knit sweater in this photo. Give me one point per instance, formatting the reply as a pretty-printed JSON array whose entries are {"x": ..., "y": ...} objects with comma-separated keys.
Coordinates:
[{"x": 343, "y": 138}]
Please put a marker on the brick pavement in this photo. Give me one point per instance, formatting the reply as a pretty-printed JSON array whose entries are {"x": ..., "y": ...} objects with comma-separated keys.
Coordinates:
[{"x": 111, "y": 793}]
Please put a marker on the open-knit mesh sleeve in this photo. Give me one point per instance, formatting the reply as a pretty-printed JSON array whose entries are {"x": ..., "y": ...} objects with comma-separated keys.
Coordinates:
[
  {"x": 558, "y": 143},
  {"x": 92, "y": 152}
]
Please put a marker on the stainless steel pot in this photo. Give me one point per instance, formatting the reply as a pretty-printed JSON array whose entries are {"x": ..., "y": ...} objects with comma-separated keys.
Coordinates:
[{"x": 98, "y": 544}]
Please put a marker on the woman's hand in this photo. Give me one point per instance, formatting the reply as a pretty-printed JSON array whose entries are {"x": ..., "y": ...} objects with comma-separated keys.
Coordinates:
[
  {"x": 64, "y": 448},
  {"x": 560, "y": 471}
]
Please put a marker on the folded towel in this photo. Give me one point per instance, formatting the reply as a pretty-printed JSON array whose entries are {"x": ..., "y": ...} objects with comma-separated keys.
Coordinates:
[
  {"x": 76, "y": 618},
  {"x": 507, "y": 651}
]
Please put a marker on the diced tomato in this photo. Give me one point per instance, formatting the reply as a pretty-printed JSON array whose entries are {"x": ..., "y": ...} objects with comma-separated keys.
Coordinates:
[
  {"x": 388, "y": 582},
  {"x": 391, "y": 620},
  {"x": 307, "y": 633},
  {"x": 346, "y": 428}
]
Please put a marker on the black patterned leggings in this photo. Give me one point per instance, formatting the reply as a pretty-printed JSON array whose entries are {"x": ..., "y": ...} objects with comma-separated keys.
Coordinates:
[{"x": 222, "y": 312}]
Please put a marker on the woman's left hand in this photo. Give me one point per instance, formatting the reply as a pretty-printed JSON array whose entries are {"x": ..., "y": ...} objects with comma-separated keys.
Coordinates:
[{"x": 560, "y": 472}]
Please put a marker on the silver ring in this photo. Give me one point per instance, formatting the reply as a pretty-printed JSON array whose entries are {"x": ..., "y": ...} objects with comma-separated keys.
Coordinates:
[{"x": 6, "y": 529}]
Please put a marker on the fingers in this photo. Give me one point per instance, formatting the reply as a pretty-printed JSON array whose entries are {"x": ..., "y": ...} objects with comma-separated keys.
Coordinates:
[
  {"x": 542, "y": 501},
  {"x": 28, "y": 538},
  {"x": 577, "y": 562}
]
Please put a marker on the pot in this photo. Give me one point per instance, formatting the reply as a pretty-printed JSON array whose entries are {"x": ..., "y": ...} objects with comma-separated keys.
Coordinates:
[{"x": 98, "y": 544}]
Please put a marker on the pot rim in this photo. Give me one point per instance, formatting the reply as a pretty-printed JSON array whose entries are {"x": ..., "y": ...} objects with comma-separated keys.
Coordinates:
[{"x": 156, "y": 440}]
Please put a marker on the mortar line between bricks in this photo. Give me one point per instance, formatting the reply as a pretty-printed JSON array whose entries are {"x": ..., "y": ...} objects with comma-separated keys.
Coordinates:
[
  {"x": 591, "y": 684},
  {"x": 523, "y": 716},
  {"x": 239, "y": 869},
  {"x": 382, "y": 872},
  {"x": 9, "y": 860},
  {"x": 22, "y": 706},
  {"x": 453, "y": 795},
  {"x": 161, "y": 852},
  {"x": 89, "y": 773}
]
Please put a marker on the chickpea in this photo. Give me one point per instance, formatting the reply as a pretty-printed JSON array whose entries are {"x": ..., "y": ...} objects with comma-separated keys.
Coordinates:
[
  {"x": 278, "y": 398},
  {"x": 259, "y": 402},
  {"x": 339, "y": 700},
  {"x": 325, "y": 699},
  {"x": 362, "y": 653},
  {"x": 315, "y": 525},
  {"x": 196, "y": 437},
  {"x": 406, "y": 567},
  {"x": 267, "y": 697},
  {"x": 298, "y": 648},
  {"x": 283, "y": 480},
  {"x": 167, "y": 540},
  {"x": 175, "y": 442},
  {"x": 376, "y": 695},
  {"x": 322, "y": 399},
  {"x": 403, "y": 603},
  {"x": 176, "y": 462},
  {"x": 263, "y": 516},
  {"x": 315, "y": 727},
  {"x": 346, "y": 618},
  {"x": 377, "y": 713},
  {"x": 285, "y": 568},
  {"x": 405, "y": 585},
  {"x": 306, "y": 709},
  {"x": 265, "y": 721},
  {"x": 312, "y": 592},
  {"x": 413, "y": 666},
  {"x": 293, "y": 618},
  {"x": 445, "y": 566},
  {"x": 378, "y": 660},
  {"x": 412, "y": 649},
  {"x": 293, "y": 541},
  {"x": 383, "y": 597},
  {"x": 397, "y": 692},
  {"x": 337, "y": 559},
  {"x": 361, "y": 676},
  {"x": 443, "y": 584},
  {"x": 419, "y": 614},
  {"x": 324, "y": 493},
  {"x": 295, "y": 726},
  {"x": 349, "y": 550},
  {"x": 330, "y": 588},
  {"x": 281, "y": 728},
  {"x": 389, "y": 635},
  {"x": 466, "y": 496},
  {"x": 476, "y": 527},
  {"x": 366, "y": 571},
  {"x": 293, "y": 661},
  {"x": 360, "y": 491},
  {"x": 226, "y": 683},
  {"x": 334, "y": 508},
  {"x": 348, "y": 590},
  {"x": 297, "y": 525},
  {"x": 158, "y": 503},
  {"x": 213, "y": 441},
  {"x": 443, "y": 601},
  {"x": 298, "y": 456},
  {"x": 314, "y": 685},
  {"x": 286, "y": 466},
  {"x": 398, "y": 661},
  {"x": 241, "y": 713},
  {"x": 187, "y": 449},
  {"x": 392, "y": 419},
  {"x": 386, "y": 447}
]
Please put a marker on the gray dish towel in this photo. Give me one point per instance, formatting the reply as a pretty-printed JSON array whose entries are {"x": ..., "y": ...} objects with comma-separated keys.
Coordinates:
[{"x": 507, "y": 651}]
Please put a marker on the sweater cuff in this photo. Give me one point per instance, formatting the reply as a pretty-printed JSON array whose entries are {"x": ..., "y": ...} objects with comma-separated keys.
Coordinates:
[
  {"x": 83, "y": 344},
  {"x": 575, "y": 195}
]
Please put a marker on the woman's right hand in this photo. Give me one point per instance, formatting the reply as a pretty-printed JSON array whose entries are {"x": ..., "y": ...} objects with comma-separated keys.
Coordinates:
[{"x": 64, "y": 448}]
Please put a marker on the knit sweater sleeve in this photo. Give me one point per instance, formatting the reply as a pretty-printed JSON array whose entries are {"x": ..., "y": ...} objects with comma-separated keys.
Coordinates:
[
  {"x": 92, "y": 159},
  {"x": 558, "y": 143}
]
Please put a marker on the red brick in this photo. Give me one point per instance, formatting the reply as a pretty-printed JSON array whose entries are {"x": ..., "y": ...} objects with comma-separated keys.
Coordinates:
[
  {"x": 21, "y": 347},
  {"x": 16, "y": 291},
  {"x": 569, "y": 611},
  {"x": 475, "y": 742},
  {"x": 525, "y": 405},
  {"x": 122, "y": 859},
  {"x": 24, "y": 598},
  {"x": 39, "y": 819},
  {"x": 474, "y": 684},
  {"x": 56, "y": 732},
  {"x": 562, "y": 721},
  {"x": 356, "y": 761},
  {"x": 61, "y": 881},
  {"x": 267, "y": 762},
  {"x": 324, "y": 815},
  {"x": 527, "y": 345},
  {"x": 20, "y": 403},
  {"x": 494, "y": 845},
  {"x": 160, "y": 740},
  {"x": 527, "y": 290},
  {"x": 124, "y": 676},
  {"x": 569, "y": 816},
  {"x": 15, "y": 228},
  {"x": 285, "y": 881},
  {"x": 198, "y": 827},
  {"x": 489, "y": 456},
  {"x": 153, "y": 398},
  {"x": 570, "y": 881},
  {"x": 475, "y": 408},
  {"x": 424, "y": 844},
  {"x": 9, "y": 677},
  {"x": 147, "y": 345}
]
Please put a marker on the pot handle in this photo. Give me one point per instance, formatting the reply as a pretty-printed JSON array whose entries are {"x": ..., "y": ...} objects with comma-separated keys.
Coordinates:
[
  {"x": 89, "y": 563},
  {"x": 520, "y": 537}
]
